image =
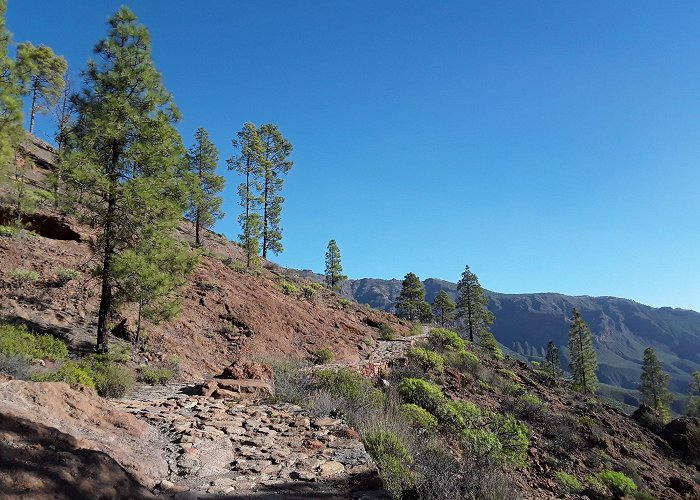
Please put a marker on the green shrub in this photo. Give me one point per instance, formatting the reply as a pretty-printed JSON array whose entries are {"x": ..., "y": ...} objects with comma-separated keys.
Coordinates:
[
  {"x": 490, "y": 345},
  {"x": 463, "y": 360},
  {"x": 344, "y": 303},
  {"x": 386, "y": 332},
  {"x": 418, "y": 417},
  {"x": 427, "y": 360},
  {"x": 458, "y": 416},
  {"x": 323, "y": 356},
  {"x": 643, "y": 495},
  {"x": 512, "y": 436},
  {"x": 69, "y": 372},
  {"x": 356, "y": 391},
  {"x": 65, "y": 275},
  {"x": 22, "y": 275},
  {"x": 155, "y": 375},
  {"x": 392, "y": 457},
  {"x": 316, "y": 286},
  {"x": 308, "y": 291},
  {"x": 8, "y": 231},
  {"x": 112, "y": 380},
  {"x": 18, "y": 341},
  {"x": 423, "y": 393},
  {"x": 619, "y": 484},
  {"x": 289, "y": 288},
  {"x": 447, "y": 339},
  {"x": 569, "y": 483},
  {"x": 526, "y": 407}
]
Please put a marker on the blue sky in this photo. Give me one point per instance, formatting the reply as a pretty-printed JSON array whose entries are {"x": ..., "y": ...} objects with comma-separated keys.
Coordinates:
[{"x": 552, "y": 146}]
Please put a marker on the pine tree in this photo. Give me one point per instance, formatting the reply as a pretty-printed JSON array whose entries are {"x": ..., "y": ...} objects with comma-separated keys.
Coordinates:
[
  {"x": 443, "y": 308},
  {"x": 334, "y": 267},
  {"x": 552, "y": 364},
  {"x": 582, "y": 356},
  {"x": 694, "y": 396},
  {"x": 274, "y": 164},
  {"x": 125, "y": 154},
  {"x": 63, "y": 115},
  {"x": 653, "y": 385},
  {"x": 150, "y": 273},
  {"x": 471, "y": 306},
  {"x": 248, "y": 164},
  {"x": 204, "y": 204},
  {"x": 41, "y": 73},
  {"x": 10, "y": 102},
  {"x": 411, "y": 304}
]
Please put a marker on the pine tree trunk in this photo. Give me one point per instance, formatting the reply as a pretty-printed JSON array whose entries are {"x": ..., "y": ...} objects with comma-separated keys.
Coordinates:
[
  {"x": 469, "y": 315},
  {"x": 246, "y": 232},
  {"x": 106, "y": 292},
  {"x": 582, "y": 361},
  {"x": 196, "y": 230},
  {"x": 138, "y": 323},
  {"x": 265, "y": 201},
  {"x": 33, "y": 110}
]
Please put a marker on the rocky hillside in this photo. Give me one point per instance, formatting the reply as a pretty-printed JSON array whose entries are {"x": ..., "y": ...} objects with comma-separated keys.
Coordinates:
[{"x": 622, "y": 329}]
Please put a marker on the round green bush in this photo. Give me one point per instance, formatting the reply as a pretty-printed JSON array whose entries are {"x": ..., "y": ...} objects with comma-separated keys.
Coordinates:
[
  {"x": 427, "y": 360},
  {"x": 423, "y": 393},
  {"x": 418, "y": 417},
  {"x": 447, "y": 339},
  {"x": 619, "y": 484}
]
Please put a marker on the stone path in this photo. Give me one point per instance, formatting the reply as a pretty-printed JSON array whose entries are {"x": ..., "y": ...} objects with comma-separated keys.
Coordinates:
[{"x": 223, "y": 449}]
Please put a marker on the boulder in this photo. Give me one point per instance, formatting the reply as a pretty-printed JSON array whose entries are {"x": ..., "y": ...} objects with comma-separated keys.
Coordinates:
[
  {"x": 245, "y": 369},
  {"x": 683, "y": 435},
  {"x": 250, "y": 390}
]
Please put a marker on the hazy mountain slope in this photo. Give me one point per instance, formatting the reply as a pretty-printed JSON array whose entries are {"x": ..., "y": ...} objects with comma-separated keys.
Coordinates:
[{"x": 622, "y": 329}]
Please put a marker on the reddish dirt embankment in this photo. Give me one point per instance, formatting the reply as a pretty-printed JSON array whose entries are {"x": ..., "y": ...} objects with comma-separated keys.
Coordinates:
[{"x": 61, "y": 442}]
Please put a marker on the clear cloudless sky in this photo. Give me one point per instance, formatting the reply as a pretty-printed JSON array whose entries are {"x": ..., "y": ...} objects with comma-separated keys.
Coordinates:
[{"x": 552, "y": 146}]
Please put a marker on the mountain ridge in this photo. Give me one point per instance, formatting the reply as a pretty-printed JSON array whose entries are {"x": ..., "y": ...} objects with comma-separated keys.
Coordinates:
[{"x": 622, "y": 329}]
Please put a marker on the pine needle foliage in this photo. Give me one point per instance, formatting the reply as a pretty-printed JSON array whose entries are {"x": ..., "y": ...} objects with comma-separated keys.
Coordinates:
[
  {"x": 125, "y": 156},
  {"x": 653, "y": 384},
  {"x": 472, "y": 312},
  {"x": 248, "y": 163},
  {"x": 443, "y": 309},
  {"x": 10, "y": 102},
  {"x": 582, "y": 357},
  {"x": 552, "y": 363},
  {"x": 334, "y": 267},
  {"x": 204, "y": 204},
  {"x": 275, "y": 164},
  {"x": 41, "y": 74},
  {"x": 411, "y": 304}
]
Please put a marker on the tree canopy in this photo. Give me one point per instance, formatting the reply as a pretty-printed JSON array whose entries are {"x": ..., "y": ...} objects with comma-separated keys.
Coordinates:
[
  {"x": 582, "y": 357},
  {"x": 334, "y": 267}
]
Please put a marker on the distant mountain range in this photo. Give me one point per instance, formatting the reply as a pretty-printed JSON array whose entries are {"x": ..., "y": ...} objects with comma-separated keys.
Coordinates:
[{"x": 622, "y": 329}]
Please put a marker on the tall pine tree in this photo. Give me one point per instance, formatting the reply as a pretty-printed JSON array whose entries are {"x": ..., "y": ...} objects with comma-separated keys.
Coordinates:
[
  {"x": 41, "y": 73},
  {"x": 248, "y": 163},
  {"x": 334, "y": 267},
  {"x": 582, "y": 357},
  {"x": 694, "y": 396},
  {"x": 471, "y": 306},
  {"x": 443, "y": 308},
  {"x": 204, "y": 204},
  {"x": 411, "y": 304},
  {"x": 125, "y": 152},
  {"x": 275, "y": 164},
  {"x": 10, "y": 101},
  {"x": 653, "y": 384},
  {"x": 552, "y": 363}
]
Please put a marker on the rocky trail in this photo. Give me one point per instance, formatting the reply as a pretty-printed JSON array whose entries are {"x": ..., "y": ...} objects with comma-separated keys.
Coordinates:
[{"x": 222, "y": 448}]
